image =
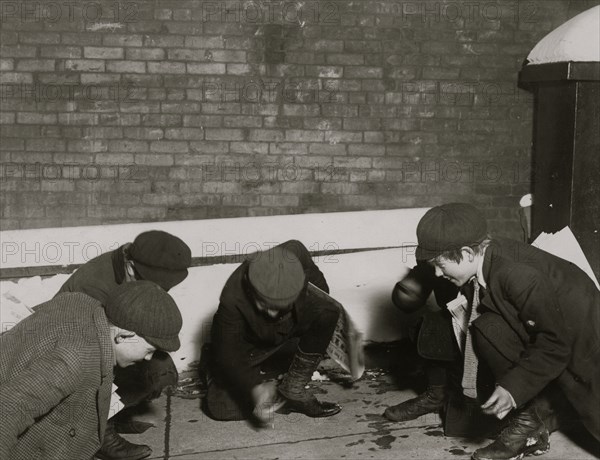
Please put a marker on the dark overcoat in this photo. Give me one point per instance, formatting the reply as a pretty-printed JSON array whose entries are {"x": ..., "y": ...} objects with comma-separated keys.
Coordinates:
[
  {"x": 240, "y": 333},
  {"x": 554, "y": 307}
]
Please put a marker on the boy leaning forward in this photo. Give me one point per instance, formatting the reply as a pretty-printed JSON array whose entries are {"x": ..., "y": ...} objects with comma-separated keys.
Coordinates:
[{"x": 531, "y": 328}]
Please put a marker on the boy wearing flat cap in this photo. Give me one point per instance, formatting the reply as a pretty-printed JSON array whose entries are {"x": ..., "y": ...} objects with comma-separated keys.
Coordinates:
[
  {"x": 264, "y": 307},
  {"x": 56, "y": 367},
  {"x": 155, "y": 256},
  {"x": 531, "y": 326}
]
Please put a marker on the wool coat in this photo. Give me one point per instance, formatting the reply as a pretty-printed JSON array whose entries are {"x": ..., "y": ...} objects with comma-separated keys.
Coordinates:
[
  {"x": 554, "y": 307},
  {"x": 240, "y": 333},
  {"x": 56, "y": 374},
  {"x": 97, "y": 277}
]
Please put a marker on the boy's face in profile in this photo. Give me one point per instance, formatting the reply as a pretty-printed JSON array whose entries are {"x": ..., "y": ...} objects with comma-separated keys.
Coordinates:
[
  {"x": 458, "y": 273},
  {"x": 131, "y": 348}
]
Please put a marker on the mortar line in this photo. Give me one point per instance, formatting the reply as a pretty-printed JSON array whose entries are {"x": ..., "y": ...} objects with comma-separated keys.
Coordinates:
[{"x": 167, "y": 427}]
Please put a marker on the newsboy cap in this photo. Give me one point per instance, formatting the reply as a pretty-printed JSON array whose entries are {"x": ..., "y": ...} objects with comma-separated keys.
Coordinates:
[
  {"x": 448, "y": 227},
  {"x": 148, "y": 310},
  {"x": 161, "y": 257},
  {"x": 277, "y": 276}
]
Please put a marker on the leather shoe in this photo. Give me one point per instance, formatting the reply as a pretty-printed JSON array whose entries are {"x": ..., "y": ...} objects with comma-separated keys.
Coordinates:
[
  {"x": 115, "y": 447},
  {"x": 432, "y": 400},
  {"x": 524, "y": 435},
  {"x": 311, "y": 407}
]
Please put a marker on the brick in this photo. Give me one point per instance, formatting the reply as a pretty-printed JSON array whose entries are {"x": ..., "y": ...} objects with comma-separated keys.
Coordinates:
[
  {"x": 166, "y": 67},
  {"x": 249, "y": 147},
  {"x": 127, "y": 146},
  {"x": 126, "y": 66},
  {"x": 201, "y": 121},
  {"x": 144, "y": 133},
  {"x": 242, "y": 122},
  {"x": 169, "y": 146},
  {"x": 144, "y": 54},
  {"x": 7, "y": 118},
  {"x": 15, "y": 77},
  {"x": 163, "y": 41},
  {"x": 154, "y": 159},
  {"x": 206, "y": 69},
  {"x": 279, "y": 200},
  {"x": 39, "y": 37},
  {"x": 215, "y": 134},
  {"x": 145, "y": 213},
  {"x": 70, "y": 52},
  {"x": 45, "y": 145},
  {"x": 92, "y": 52},
  {"x": 18, "y": 51},
  {"x": 6, "y": 64},
  {"x": 206, "y": 42},
  {"x": 241, "y": 200},
  {"x": 184, "y": 133},
  {"x": 121, "y": 40},
  {"x": 36, "y": 118},
  {"x": 78, "y": 39},
  {"x": 84, "y": 65},
  {"x": 228, "y": 56},
  {"x": 103, "y": 132},
  {"x": 296, "y": 135}
]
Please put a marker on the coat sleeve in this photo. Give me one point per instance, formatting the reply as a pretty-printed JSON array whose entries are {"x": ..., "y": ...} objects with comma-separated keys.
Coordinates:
[
  {"x": 35, "y": 392},
  {"x": 312, "y": 272},
  {"x": 548, "y": 352},
  {"x": 231, "y": 349}
]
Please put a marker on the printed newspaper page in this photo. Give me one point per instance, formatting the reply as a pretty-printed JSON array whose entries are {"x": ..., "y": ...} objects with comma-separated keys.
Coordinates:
[{"x": 346, "y": 346}]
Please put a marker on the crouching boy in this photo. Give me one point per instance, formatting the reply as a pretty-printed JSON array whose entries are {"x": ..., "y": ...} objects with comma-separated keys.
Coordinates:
[
  {"x": 532, "y": 321},
  {"x": 56, "y": 367},
  {"x": 264, "y": 307}
]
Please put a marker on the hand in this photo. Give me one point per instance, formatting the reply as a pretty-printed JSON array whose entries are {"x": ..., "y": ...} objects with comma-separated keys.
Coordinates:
[
  {"x": 266, "y": 401},
  {"x": 409, "y": 294},
  {"x": 499, "y": 404}
]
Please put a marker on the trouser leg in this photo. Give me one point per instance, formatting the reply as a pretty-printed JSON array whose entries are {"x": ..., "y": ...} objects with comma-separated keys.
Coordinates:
[
  {"x": 223, "y": 402},
  {"x": 145, "y": 380},
  {"x": 316, "y": 326}
]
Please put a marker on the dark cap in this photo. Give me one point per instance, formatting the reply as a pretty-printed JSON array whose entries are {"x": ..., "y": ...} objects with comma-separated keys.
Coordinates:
[
  {"x": 277, "y": 276},
  {"x": 161, "y": 257},
  {"x": 146, "y": 309},
  {"x": 448, "y": 227}
]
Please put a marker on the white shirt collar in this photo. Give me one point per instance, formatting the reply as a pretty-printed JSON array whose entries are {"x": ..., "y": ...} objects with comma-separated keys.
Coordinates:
[{"x": 480, "y": 278}]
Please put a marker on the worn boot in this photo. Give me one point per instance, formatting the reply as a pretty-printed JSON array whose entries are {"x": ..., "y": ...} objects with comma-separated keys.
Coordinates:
[
  {"x": 292, "y": 387},
  {"x": 525, "y": 434},
  {"x": 115, "y": 447},
  {"x": 432, "y": 400}
]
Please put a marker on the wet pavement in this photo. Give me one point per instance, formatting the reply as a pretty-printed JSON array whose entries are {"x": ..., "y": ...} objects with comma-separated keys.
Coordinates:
[{"x": 182, "y": 431}]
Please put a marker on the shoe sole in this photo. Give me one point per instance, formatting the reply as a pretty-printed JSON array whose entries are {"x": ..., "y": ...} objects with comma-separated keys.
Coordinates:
[{"x": 536, "y": 452}]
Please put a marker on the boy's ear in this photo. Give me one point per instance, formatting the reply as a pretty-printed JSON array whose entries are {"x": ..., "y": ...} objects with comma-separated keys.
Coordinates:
[
  {"x": 469, "y": 252},
  {"x": 123, "y": 336}
]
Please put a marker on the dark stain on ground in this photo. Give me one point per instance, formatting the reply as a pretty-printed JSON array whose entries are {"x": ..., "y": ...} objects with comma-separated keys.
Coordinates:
[
  {"x": 193, "y": 420},
  {"x": 403, "y": 436},
  {"x": 437, "y": 433},
  {"x": 385, "y": 442},
  {"x": 360, "y": 441},
  {"x": 458, "y": 452}
]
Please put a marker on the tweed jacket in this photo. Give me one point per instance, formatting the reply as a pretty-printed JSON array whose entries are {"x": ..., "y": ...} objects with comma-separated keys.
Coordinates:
[
  {"x": 56, "y": 374},
  {"x": 239, "y": 332},
  {"x": 554, "y": 307}
]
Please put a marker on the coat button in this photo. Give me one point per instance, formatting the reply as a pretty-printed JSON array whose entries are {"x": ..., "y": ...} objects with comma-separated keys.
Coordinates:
[
  {"x": 72, "y": 432},
  {"x": 531, "y": 323}
]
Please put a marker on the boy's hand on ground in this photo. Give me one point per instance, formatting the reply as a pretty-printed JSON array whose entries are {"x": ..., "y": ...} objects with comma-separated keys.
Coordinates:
[
  {"x": 499, "y": 404},
  {"x": 265, "y": 399}
]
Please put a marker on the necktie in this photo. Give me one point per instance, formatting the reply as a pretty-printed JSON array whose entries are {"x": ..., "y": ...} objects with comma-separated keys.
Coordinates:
[{"x": 469, "y": 380}]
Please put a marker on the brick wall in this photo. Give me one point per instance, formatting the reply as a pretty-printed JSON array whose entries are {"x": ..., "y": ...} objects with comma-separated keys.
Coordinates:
[{"x": 149, "y": 111}]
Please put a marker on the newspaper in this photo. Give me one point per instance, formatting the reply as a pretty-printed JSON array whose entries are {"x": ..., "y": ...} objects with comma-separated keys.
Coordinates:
[
  {"x": 12, "y": 311},
  {"x": 563, "y": 244},
  {"x": 346, "y": 346},
  {"x": 459, "y": 309}
]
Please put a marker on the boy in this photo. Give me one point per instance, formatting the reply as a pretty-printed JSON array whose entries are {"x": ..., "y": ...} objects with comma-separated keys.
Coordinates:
[
  {"x": 264, "y": 307},
  {"x": 155, "y": 256},
  {"x": 56, "y": 367},
  {"x": 533, "y": 320}
]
